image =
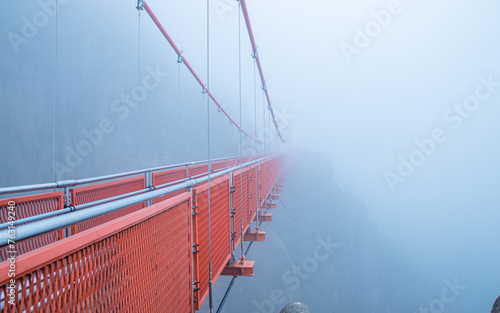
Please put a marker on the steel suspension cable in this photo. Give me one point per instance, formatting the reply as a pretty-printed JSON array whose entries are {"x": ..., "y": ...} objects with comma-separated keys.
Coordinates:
[
  {"x": 55, "y": 98},
  {"x": 242, "y": 255},
  {"x": 179, "y": 109},
  {"x": 254, "y": 47},
  {"x": 264, "y": 119},
  {"x": 257, "y": 196},
  {"x": 210, "y": 282},
  {"x": 191, "y": 70},
  {"x": 138, "y": 84}
]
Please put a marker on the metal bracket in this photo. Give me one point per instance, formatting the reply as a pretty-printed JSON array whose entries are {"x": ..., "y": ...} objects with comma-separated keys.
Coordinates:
[
  {"x": 140, "y": 5},
  {"x": 195, "y": 289},
  {"x": 264, "y": 87},
  {"x": 255, "y": 53},
  {"x": 67, "y": 197},
  {"x": 232, "y": 189},
  {"x": 204, "y": 89},
  {"x": 180, "y": 58}
]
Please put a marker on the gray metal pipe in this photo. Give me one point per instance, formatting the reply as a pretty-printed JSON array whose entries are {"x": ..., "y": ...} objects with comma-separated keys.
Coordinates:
[
  {"x": 37, "y": 217},
  {"x": 27, "y": 231},
  {"x": 76, "y": 182},
  {"x": 86, "y": 205}
]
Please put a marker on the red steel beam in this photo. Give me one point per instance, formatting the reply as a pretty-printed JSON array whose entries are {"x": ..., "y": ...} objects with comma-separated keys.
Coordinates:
[
  {"x": 198, "y": 79},
  {"x": 256, "y": 55}
]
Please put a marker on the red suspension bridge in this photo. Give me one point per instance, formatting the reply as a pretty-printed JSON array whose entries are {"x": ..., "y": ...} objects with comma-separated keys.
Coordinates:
[
  {"x": 146, "y": 251},
  {"x": 152, "y": 240}
]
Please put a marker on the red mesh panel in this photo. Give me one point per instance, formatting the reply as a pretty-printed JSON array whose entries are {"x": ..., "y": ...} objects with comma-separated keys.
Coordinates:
[
  {"x": 219, "y": 165},
  {"x": 240, "y": 193},
  {"x": 169, "y": 176},
  {"x": 253, "y": 197},
  {"x": 221, "y": 242},
  {"x": 138, "y": 263},
  {"x": 30, "y": 206},
  {"x": 103, "y": 191},
  {"x": 266, "y": 174},
  {"x": 271, "y": 174},
  {"x": 198, "y": 169},
  {"x": 275, "y": 171},
  {"x": 262, "y": 179}
]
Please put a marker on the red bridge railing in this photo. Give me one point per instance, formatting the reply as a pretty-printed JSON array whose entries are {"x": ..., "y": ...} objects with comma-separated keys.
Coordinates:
[
  {"x": 152, "y": 259},
  {"x": 27, "y": 206}
]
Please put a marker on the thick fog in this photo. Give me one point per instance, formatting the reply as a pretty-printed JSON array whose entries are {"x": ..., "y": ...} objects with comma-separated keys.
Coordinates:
[{"x": 390, "y": 111}]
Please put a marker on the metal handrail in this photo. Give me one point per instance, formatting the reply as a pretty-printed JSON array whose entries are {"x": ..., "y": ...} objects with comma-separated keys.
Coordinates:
[
  {"x": 77, "y": 182},
  {"x": 101, "y": 201},
  {"x": 40, "y": 227}
]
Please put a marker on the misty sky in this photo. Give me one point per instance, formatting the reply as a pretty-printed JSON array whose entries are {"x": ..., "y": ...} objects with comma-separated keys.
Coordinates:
[{"x": 401, "y": 96}]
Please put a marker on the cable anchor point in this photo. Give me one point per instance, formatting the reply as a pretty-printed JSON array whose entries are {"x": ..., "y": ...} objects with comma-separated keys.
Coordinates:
[
  {"x": 204, "y": 89},
  {"x": 140, "y": 5},
  {"x": 255, "y": 53},
  {"x": 180, "y": 58},
  {"x": 242, "y": 259}
]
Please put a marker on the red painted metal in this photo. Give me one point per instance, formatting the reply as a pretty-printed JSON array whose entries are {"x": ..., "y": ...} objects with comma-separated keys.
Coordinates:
[
  {"x": 161, "y": 178},
  {"x": 239, "y": 269},
  {"x": 102, "y": 191},
  {"x": 240, "y": 203},
  {"x": 199, "y": 169},
  {"x": 255, "y": 236},
  {"x": 265, "y": 217},
  {"x": 264, "y": 180},
  {"x": 269, "y": 205},
  {"x": 27, "y": 206},
  {"x": 188, "y": 66},
  {"x": 253, "y": 197},
  {"x": 221, "y": 243},
  {"x": 270, "y": 175},
  {"x": 259, "y": 66},
  {"x": 141, "y": 262},
  {"x": 219, "y": 165}
]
